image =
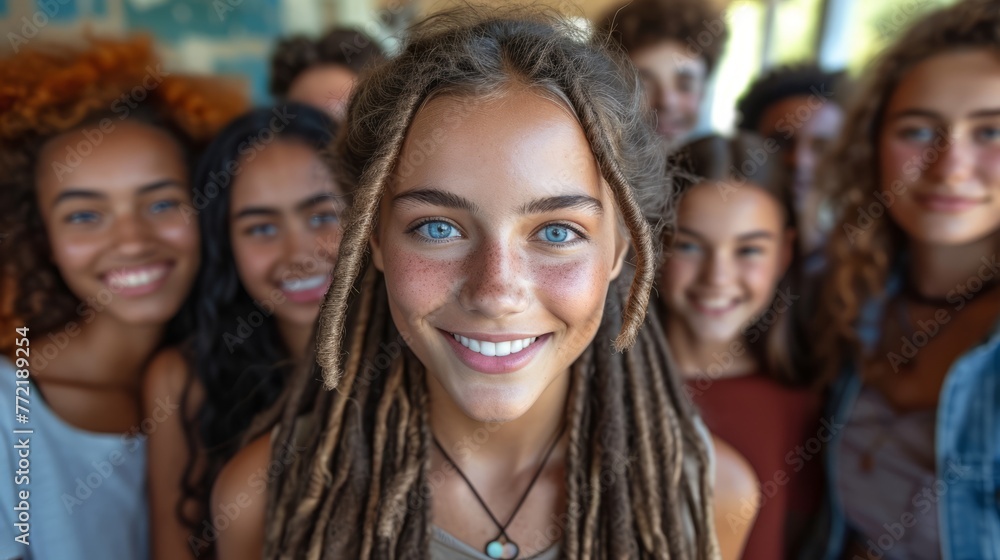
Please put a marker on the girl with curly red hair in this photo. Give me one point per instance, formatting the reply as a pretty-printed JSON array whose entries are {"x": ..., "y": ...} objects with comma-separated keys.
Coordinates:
[{"x": 101, "y": 243}]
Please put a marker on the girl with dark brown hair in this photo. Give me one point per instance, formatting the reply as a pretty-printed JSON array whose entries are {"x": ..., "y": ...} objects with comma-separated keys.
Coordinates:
[
  {"x": 910, "y": 313},
  {"x": 729, "y": 293},
  {"x": 493, "y": 387}
]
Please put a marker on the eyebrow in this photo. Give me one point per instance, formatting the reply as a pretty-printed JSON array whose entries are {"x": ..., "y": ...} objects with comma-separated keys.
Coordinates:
[
  {"x": 748, "y": 236},
  {"x": 70, "y": 194},
  {"x": 927, "y": 113},
  {"x": 563, "y": 202},
  {"x": 437, "y": 197},
  {"x": 271, "y": 211}
]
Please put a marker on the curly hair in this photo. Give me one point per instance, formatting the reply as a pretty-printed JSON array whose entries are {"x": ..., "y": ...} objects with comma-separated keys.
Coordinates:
[
  {"x": 643, "y": 23},
  {"x": 350, "y": 48},
  {"x": 860, "y": 258},
  {"x": 54, "y": 89},
  {"x": 369, "y": 438},
  {"x": 787, "y": 81}
]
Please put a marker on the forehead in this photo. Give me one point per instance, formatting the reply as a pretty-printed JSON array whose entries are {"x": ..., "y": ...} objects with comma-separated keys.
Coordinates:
[
  {"x": 668, "y": 57},
  {"x": 951, "y": 84},
  {"x": 124, "y": 156},
  {"x": 723, "y": 209},
  {"x": 281, "y": 174},
  {"x": 521, "y": 143},
  {"x": 802, "y": 114}
]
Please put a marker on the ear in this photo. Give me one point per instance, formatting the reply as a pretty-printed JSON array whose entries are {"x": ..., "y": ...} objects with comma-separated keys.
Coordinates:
[
  {"x": 375, "y": 245},
  {"x": 621, "y": 249},
  {"x": 788, "y": 249}
]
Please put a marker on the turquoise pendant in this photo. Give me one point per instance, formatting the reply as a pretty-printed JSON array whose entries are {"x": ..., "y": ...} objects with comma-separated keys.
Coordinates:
[{"x": 501, "y": 549}]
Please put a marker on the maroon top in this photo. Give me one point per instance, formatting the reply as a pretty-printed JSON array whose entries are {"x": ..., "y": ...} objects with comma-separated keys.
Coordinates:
[{"x": 776, "y": 429}]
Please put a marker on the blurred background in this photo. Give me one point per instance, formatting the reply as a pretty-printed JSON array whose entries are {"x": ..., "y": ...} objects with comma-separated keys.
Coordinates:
[{"x": 235, "y": 37}]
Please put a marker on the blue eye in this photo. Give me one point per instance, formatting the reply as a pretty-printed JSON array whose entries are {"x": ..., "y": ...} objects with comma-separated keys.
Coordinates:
[
  {"x": 686, "y": 247},
  {"x": 82, "y": 217},
  {"x": 162, "y": 206},
  {"x": 262, "y": 230},
  {"x": 556, "y": 233},
  {"x": 750, "y": 251},
  {"x": 437, "y": 230},
  {"x": 917, "y": 134},
  {"x": 987, "y": 134},
  {"x": 317, "y": 220}
]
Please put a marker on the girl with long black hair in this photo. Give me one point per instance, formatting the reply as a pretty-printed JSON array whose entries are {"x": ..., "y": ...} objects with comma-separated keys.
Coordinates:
[{"x": 268, "y": 208}]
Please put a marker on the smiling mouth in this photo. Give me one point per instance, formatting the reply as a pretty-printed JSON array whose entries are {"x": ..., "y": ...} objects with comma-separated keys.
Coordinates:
[
  {"x": 946, "y": 203},
  {"x": 499, "y": 349},
  {"x": 138, "y": 280},
  {"x": 714, "y": 306},
  {"x": 303, "y": 284}
]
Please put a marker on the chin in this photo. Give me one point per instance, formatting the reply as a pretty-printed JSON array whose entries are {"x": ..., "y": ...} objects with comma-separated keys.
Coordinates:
[{"x": 495, "y": 405}]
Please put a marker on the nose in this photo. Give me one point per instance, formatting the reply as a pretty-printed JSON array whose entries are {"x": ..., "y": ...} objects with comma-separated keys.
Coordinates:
[
  {"x": 955, "y": 162},
  {"x": 495, "y": 283},
  {"x": 717, "y": 270},
  {"x": 670, "y": 100},
  {"x": 300, "y": 245},
  {"x": 133, "y": 235},
  {"x": 803, "y": 159}
]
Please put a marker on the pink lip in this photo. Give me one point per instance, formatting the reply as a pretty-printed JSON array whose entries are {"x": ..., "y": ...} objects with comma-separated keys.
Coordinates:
[
  {"x": 713, "y": 312},
  {"x": 138, "y": 291},
  {"x": 946, "y": 204},
  {"x": 308, "y": 296},
  {"x": 495, "y": 364}
]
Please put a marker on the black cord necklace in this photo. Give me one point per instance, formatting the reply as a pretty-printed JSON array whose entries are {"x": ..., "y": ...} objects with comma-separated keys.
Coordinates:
[{"x": 502, "y": 547}]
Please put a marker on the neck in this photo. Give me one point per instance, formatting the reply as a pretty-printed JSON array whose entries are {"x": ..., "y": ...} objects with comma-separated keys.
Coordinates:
[
  {"x": 296, "y": 338},
  {"x": 696, "y": 356},
  {"x": 509, "y": 446},
  {"x": 104, "y": 351},
  {"x": 944, "y": 270}
]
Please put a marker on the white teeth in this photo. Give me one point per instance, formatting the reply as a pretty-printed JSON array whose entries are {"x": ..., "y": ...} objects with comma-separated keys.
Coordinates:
[
  {"x": 497, "y": 349},
  {"x": 302, "y": 284},
  {"x": 136, "y": 278}
]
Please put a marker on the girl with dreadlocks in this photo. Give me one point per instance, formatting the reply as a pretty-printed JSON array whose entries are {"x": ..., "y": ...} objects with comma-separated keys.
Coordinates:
[
  {"x": 497, "y": 389},
  {"x": 912, "y": 299},
  {"x": 96, "y": 143},
  {"x": 268, "y": 210}
]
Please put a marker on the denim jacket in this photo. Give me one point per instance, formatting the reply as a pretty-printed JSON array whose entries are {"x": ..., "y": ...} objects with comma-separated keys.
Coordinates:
[{"x": 967, "y": 451}]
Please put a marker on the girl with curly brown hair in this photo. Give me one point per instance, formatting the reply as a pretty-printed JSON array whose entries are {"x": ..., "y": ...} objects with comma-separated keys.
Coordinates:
[
  {"x": 94, "y": 197},
  {"x": 911, "y": 306},
  {"x": 497, "y": 388}
]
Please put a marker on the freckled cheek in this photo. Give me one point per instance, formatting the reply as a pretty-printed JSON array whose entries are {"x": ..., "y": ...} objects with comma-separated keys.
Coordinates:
[
  {"x": 574, "y": 291},
  {"x": 417, "y": 285}
]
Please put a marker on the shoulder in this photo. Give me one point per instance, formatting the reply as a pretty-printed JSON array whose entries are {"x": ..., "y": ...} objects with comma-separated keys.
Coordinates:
[
  {"x": 239, "y": 498},
  {"x": 165, "y": 379},
  {"x": 735, "y": 499}
]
